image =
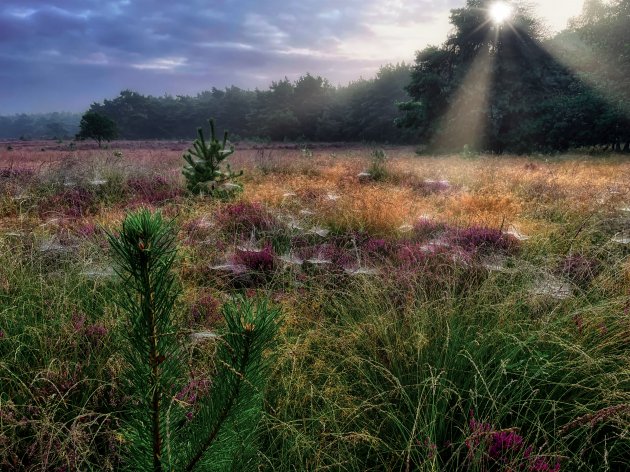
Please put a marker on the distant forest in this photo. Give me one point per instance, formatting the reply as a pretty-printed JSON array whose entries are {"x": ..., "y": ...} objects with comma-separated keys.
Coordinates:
[
  {"x": 308, "y": 109},
  {"x": 488, "y": 87}
]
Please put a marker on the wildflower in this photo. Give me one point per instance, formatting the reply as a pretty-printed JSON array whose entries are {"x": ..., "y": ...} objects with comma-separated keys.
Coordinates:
[
  {"x": 482, "y": 239},
  {"x": 503, "y": 444},
  {"x": 245, "y": 217},
  {"x": 256, "y": 260}
]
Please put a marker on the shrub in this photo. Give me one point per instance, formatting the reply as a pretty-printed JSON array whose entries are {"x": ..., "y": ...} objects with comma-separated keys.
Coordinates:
[
  {"x": 579, "y": 269},
  {"x": 504, "y": 450},
  {"x": 12, "y": 173},
  {"x": 76, "y": 202},
  {"x": 205, "y": 312},
  {"x": 425, "y": 228}
]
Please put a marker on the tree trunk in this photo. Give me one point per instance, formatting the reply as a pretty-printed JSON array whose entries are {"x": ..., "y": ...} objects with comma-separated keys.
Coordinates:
[
  {"x": 617, "y": 146},
  {"x": 626, "y": 148}
]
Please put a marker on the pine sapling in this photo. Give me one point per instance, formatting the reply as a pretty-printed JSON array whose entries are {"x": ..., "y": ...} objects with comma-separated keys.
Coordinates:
[
  {"x": 159, "y": 433},
  {"x": 203, "y": 168}
]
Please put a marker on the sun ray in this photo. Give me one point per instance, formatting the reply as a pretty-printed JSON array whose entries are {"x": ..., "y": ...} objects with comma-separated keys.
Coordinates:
[
  {"x": 580, "y": 57},
  {"x": 464, "y": 121}
]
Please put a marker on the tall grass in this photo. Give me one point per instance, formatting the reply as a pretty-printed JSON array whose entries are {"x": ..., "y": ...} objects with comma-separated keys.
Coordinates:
[
  {"x": 437, "y": 361},
  {"x": 379, "y": 387}
]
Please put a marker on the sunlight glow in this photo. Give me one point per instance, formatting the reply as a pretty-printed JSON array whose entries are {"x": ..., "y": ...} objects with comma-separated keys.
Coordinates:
[
  {"x": 500, "y": 12},
  {"x": 464, "y": 123}
]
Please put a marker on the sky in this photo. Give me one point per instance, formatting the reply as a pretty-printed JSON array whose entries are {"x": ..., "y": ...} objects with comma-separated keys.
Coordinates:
[{"x": 62, "y": 55}]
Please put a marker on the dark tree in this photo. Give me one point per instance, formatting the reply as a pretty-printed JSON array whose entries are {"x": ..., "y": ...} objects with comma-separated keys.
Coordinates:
[
  {"x": 97, "y": 127},
  {"x": 485, "y": 87}
]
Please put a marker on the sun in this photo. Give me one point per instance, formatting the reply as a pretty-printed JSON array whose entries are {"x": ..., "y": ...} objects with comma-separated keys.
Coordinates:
[{"x": 500, "y": 12}]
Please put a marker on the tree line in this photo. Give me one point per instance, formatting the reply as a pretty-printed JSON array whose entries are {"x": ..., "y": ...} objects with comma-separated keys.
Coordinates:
[{"x": 307, "y": 109}]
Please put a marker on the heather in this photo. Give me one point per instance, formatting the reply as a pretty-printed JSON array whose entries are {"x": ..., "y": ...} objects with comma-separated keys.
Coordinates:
[{"x": 459, "y": 313}]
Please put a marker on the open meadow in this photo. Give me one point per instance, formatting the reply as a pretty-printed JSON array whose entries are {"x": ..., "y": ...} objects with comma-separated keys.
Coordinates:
[{"x": 438, "y": 313}]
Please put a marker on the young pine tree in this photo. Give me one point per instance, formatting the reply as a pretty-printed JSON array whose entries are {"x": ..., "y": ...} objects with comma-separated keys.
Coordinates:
[
  {"x": 160, "y": 433},
  {"x": 203, "y": 163}
]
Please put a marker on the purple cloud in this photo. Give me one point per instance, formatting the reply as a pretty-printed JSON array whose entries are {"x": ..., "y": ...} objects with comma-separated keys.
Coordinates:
[{"x": 65, "y": 54}]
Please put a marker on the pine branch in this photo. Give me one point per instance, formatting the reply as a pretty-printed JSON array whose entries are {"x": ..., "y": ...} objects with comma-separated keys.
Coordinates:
[{"x": 227, "y": 408}]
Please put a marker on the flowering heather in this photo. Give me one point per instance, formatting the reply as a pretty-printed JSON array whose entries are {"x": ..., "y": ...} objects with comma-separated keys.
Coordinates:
[
  {"x": 504, "y": 444},
  {"x": 193, "y": 390},
  {"x": 205, "y": 312},
  {"x": 88, "y": 230},
  {"x": 378, "y": 247},
  {"x": 579, "y": 323},
  {"x": 503, "y": 448},
  {"x": 152, "y": 190},
  {"x": 417, "y": 255},
  {"x": 74, "y": 203},
  {"x": 484, "y": 240},
  {"x": 19, "y": 175},
  {"x": 579, "y": 269},
  {"x": 262, "y": 261},
  {"x": 59, "y": 381},
  {"x": 338, "y": 257},
  {"x": 94, "y": 334},
  {"x": 426, "y": 229},
  {"x": 191, "y": 393},
  {"x": 245, "y": 217}
]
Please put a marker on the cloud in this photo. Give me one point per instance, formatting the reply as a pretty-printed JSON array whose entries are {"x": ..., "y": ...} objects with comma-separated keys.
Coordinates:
[
  {"x": 65, "y": 54},
  {"x": 165, "y": 63}
]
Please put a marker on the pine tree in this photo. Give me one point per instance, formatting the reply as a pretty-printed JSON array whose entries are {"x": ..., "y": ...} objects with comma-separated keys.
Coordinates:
[
  {"x": 158, "y": 434},
  {"x": 203, "y": 163}
]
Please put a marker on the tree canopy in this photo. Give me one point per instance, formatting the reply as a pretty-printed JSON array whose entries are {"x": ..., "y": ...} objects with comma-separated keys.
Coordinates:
[
  {"x": 506, "y": 87},
  {"x": 307, "y": 109},
  {"x": 98, "y": 127}
]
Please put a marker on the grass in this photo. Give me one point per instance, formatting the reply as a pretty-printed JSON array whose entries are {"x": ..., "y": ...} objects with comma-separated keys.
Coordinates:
[{"x": 459, "y": 349}]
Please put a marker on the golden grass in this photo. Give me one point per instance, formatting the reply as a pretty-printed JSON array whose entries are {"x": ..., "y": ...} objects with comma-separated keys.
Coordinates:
[{"x": 535, "y": 195}]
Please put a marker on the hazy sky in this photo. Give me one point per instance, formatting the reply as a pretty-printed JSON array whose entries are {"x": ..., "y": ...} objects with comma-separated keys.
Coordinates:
[{"x": 64, "y": 54}]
